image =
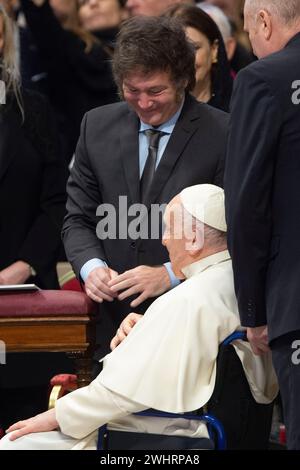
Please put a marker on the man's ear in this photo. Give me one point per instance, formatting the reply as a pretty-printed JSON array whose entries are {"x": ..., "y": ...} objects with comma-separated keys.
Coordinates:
[
  {"x": 264, "y": 20},
  {"x": 196, "y": 243}
]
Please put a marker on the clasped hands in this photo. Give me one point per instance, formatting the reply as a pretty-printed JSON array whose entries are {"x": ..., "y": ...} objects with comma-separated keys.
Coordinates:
[{"x": 147, "y": 281}]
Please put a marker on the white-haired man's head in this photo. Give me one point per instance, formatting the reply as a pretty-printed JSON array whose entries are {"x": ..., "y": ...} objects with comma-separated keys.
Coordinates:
[
  {"x": 195, "y": 225},
  {"x": 271, "y": 24}
]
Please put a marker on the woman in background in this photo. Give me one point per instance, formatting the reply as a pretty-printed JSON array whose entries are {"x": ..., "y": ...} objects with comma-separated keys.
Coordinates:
[
  {"x": 213, "y": 77},
  {"x": 76, "y": 57},
  {"x": 32, "y": 206}
]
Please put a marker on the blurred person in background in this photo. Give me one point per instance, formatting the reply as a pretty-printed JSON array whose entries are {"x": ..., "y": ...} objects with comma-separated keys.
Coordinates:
[
  {"x": 32, "y": 206},
  {"x": 151, "y": 7},
  {"x": 213, "y": 79},
  {"x": 76, "y": 57},
  {"x": 223, "y": 24},
  {"x": 233, "y": 10}
]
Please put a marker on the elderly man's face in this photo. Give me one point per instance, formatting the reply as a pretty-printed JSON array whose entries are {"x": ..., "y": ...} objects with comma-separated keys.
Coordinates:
[
  {"x": 182, "y": 240},
  {"x": 149, "y": 7},
  {"x": 153, "y": 96}
]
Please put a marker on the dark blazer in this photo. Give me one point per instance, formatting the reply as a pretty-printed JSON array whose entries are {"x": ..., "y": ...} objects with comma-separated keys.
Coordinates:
[
  {"x": 32, "y": 207},
  {"x": 32, "y": 188},
  {"x": 263, "y": 192},
  {"x": 107, "y": 166}
]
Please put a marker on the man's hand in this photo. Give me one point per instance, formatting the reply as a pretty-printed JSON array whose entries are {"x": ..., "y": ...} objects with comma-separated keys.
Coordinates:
[
  {"x": 124, "y": 329},
  {"x": 144, "y": 280},
  {"x": 96, "y": 284},
  {"x": 16, "y": 273},
  {"x": 258, "y": 339},
  {"x": 39, "y": 423}
]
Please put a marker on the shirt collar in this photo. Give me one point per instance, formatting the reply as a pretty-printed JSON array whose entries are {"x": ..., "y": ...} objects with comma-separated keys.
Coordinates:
[
  {"x": 205, "y": 263},
  {"x": 166, "y": 127}
]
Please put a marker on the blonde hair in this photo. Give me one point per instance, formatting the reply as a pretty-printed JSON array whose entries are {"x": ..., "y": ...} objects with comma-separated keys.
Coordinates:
[{"x": 9, "y": 69}]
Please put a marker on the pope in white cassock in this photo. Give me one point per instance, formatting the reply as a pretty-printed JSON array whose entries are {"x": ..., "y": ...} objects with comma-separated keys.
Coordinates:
[{"x": 168, "y": 359}]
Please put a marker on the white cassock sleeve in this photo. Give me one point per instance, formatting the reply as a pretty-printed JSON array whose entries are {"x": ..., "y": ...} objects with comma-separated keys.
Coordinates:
[{"x": 86, "y": 409}]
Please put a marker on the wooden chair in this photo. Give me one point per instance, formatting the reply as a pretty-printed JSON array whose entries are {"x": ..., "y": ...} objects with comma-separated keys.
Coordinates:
[{"x": 52, "y": 321}]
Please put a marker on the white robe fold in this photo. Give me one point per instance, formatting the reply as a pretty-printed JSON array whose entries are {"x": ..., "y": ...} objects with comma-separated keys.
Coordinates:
[{"x": 168, "y": 362}]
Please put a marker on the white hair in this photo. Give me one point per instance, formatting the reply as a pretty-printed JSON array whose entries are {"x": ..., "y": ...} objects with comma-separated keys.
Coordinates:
[
  {"x": 214, "y": 237},
  {"x": 288, "y": 11},
  {"x": 219, "y": 18}
]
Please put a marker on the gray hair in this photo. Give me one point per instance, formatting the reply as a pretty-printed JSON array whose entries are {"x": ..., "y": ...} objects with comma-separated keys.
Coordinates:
[
  {"x": 288, "y": 11},
  {"x": 214, "y": 238},
  {"x": 219, "y": 18}
]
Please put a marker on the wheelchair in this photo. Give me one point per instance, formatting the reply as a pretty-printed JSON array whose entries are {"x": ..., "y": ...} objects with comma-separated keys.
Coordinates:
[{"x": 234, "y": 419}]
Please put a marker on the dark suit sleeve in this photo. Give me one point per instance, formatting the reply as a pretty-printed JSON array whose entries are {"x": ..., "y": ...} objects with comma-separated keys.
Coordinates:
[
  {"x": 219, "y": 174},
  {"x": 254, "y": 131},
  {"x": 79, "y": 229}
]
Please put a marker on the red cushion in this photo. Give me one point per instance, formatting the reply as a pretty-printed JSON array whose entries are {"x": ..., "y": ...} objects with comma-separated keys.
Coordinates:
[
  {"x": 65, "y": 380},
  {"x": 45, "y": 303},
  {"x": 72, "y": 284}
]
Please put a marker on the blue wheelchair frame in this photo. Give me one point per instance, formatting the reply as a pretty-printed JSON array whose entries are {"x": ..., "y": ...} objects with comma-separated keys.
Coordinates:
[{"x": 215, "y": 428}]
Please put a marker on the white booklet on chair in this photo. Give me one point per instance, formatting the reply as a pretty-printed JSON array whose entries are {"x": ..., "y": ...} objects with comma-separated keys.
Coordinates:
[{"x": 16, "y": 287}]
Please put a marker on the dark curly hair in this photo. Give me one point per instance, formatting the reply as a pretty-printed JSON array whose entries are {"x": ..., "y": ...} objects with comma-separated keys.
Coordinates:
[{"x": 150, "y": 44}]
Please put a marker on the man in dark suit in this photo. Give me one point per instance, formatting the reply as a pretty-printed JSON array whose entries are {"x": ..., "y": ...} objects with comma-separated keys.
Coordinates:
[
  {"x": 263, "y": 195},
  {"x": 154, "y": 70}
]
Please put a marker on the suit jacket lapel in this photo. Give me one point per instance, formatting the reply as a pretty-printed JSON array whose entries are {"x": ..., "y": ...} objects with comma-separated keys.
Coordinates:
[
  {"x": 129, "y": 145},
  {"x": 185, "y": 127}
]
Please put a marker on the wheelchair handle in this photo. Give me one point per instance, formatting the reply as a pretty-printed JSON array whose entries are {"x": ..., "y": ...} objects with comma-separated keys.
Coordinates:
[{"x": 234, "y": 336}]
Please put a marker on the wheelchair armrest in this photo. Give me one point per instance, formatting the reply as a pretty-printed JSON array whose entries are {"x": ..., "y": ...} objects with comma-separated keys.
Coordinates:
[
  {"x": 61, "y": 384},
  {"x": 65, "y": 380},
  {"x": 234, "y": 336}
]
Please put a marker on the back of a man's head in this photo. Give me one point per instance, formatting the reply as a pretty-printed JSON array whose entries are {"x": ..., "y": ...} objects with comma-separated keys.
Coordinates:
[
  {"x": 149, "y": 44},
  {"x": 151, "y": 7},
  {"x": 286, "y": 11}
]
